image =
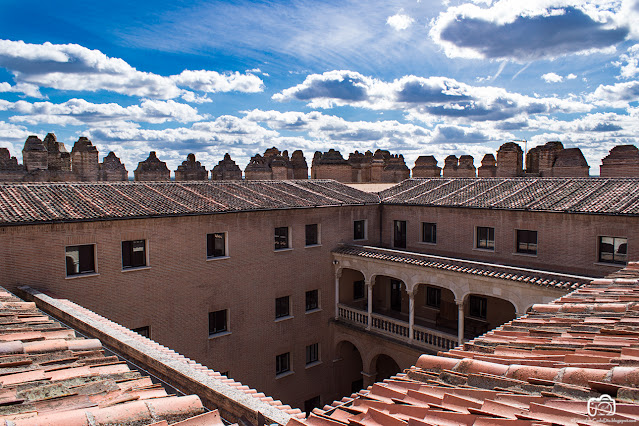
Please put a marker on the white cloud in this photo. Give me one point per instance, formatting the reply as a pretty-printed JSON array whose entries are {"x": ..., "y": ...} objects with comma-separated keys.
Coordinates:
[
  {"x": 400, "y": 21},
  {"x": 75, "y": 68},
  {"x": 571, "y": 76},
  {"x": 551, "y": 77},
  {"x": 79, "y": 111},
  {"x": 617, "y": 95},
  {"x": 529, "y": 30},
  {"x": 629, "y": 62}
]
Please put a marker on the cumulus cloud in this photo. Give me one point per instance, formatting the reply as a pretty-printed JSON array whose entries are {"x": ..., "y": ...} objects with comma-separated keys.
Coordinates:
[
  {"x": 79, "y": 111},
  {"x": 400, "y": 21},
  {"x": 421, "y": 96},
  {"x": 30, "y": 90},
  {"x": 76, "y": 68},
  {"x": 530, "y": 30},
  {"x": 551, "y": 77},
  {"x": 629, "y": 62},
  {"x": 618, "y": 95}
]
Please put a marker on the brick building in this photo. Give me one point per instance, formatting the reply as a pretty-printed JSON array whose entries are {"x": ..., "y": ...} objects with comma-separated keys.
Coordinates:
[{"x": 307, "y": 290}]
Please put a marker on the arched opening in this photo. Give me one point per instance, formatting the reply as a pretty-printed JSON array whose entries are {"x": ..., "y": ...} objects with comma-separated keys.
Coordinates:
[
  {"x": 390, "y": 297},
  {"x": 352, "y": 289},
  {"x": 483, "y": 313},
  {"x": 386, "y": 367},
  {"x": 435, "y": 308},
  {"x": 348, "y": 374}
]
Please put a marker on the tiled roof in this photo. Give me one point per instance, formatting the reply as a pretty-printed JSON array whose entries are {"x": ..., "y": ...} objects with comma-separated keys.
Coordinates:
[
  {"x": 52, "y": 202},
  {"x": 50, "y": 376},
  {"x": 530, "y": 276},
  {"x": 572, "y": 195},
  {"x": 171, "y": 363},
  {"x": 578, "y": 353}
]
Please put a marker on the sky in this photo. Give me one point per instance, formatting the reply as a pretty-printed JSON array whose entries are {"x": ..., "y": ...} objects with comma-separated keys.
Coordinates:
[{"x": 413, "y": 77}]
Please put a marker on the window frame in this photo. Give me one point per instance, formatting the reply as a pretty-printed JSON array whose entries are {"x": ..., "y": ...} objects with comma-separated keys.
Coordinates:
[
  {"x": 433, "y": 233},
  {"x": 80, "y": 273},
  {"x": 214, "y": 316},
  {"x": 132, "y": 250},
  {"x": 478, "y": 306},
  {"x": 614, "y": 253},
  {"x": 318, "y": 238},
  {"x": 317, "y": 300},
  {"x": 400, "y": 236},
  {"x": 141, "y": 331},
  {"x": 364, "y": 231},
  {"x": 280, "y": 239},
  {"x": 279, "y": 304},
  {"x": 312, "y": 354},
  {"x": 519, "y": 233},
  {"x": 435, "y": 292},
  {"x": 282, "y": 363},
  {"x": 211, "y": 236},
  {"x": 489, "y": 244}
]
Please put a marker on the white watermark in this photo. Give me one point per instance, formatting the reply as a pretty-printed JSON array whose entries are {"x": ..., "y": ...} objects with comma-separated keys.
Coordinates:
[{"x": 602, "y": 406}]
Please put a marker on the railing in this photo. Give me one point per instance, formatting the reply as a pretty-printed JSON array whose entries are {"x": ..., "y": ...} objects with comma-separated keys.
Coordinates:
[
  {"x": 353, "y": 315},
  {"x": 398, "y": 329}
]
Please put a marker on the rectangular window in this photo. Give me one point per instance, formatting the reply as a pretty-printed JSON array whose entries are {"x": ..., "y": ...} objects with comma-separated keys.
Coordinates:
[
  {"x": 359, "y": 230},
  {"x": 613, "y": 250},
  {"x": 312, "y": 353},
  {"x": 217, "y": 322},
  {"x": 80, "y": 259},
  {"x": 144, "y": 331},
  {"x": 281, "y": 238},
  {"x": 477, "y": 306},
  {"x": 312, "y": 300},
  {"x": 526, "y": 241},
  {"x": 216, "y": 245},
  {"x": 283, "y": 363},
  {"x": 358, "y": 289},
  {"x": 312, "y": 234},
  {"x": 485, "y": 238},
  {"x": 429, "y": 232},
  {"x": 311, "y": 403},
  {"x": 433, "y": 297},
  {"x": 282, "y": 307},
  {"x": 133, "y": 254},
  {"x": 399, "y": 239}
]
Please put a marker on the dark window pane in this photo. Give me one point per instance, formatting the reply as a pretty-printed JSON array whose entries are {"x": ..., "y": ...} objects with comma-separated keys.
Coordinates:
[
  {"x": 80, "y": 259},
  {"x": 282, "y": 363},
  {"x": 312, "y": 301},
  {"x": 216, "y": 244},
  {"x": 281, "y": 238},
  {"x": 282, "y": 307},
  {"x": 358, "y": 289},
  {"x": 477, "y": 306},
  {"x": 526, "y": 241},
  {"x": 133, "y": 254},
  {"x": 485, "y": 238},
  {"x": 429, "y": 232},
  {"x": 312, "y": 353},
  {"x": 613, "y": 250},
  {"x": 312, "y": 235},
  {"x": 399, "y": 239},
  {"x": 433, "y": 297},
  {"x": 144, "y": 331},
  {"x": 359, "y": 230},
  {"x": 217, "y": 321}
]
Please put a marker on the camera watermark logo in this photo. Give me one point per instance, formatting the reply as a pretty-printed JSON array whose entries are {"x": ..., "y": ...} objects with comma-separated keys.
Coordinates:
[{"x": 602, "y": 406}]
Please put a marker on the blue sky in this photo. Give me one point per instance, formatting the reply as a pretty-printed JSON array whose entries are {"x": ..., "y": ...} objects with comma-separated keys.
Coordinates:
[{"x": 414, "y": 77}]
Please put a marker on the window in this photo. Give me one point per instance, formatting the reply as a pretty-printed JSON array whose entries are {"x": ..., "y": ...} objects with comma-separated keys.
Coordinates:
[
  {"x": 217, "y": 322},
  {"x": 312, "y": 353},
  {"x": 312, "y": 300},
  {"x": 216, "y": 245},
  {"x": 359, "y": 230},
  {"x": 283, "y": 363},
  {"x": 433, "y": 297},
  {"x": 526, "y": 241},
  {"x": 312, "y": 234},
  {"x": 144, "y": 331},
  {"x": 477, "y": 307},
  {"x": 80, "y": 259},
  {"x": 399, "y": 239},
  {"x": 281, "y": 238},
  {"x": 358, "y": 289},
  {"x": 282, "y": 307},
  {"x": 429, "y": 232},
  {"x": 613, "y": 250},
  {"x": 311, "y": 403},
  {"x": 133, "y": 254},
  {"x": 485, "y": 238}
]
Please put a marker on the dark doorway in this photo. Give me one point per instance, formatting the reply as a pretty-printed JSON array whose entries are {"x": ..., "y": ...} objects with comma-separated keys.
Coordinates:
[
  {"x": 396, "y": 295},
  {"x": 400, "y": 234}
]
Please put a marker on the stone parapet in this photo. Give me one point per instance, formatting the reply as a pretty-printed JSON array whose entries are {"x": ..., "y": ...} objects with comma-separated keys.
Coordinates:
[
  {"x": 191, "y": 170},
  {"x": 152, "y": 169}
]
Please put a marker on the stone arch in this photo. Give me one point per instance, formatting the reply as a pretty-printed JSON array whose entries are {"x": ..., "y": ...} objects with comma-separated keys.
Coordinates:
[
  {"x": 348, "y": 372},
  {"x": 383, "y": 365},
  {"x": 515, "y": 302}
]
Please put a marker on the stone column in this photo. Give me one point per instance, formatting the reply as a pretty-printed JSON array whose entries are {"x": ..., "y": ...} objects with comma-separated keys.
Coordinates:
[
  {"x": 369, "y": 289},
  {"x": 338, "y": 275},
  {"x": 411, "y": 315},
  {"x": 460, "y": 321}
]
